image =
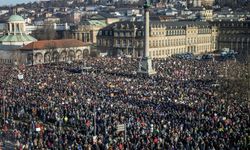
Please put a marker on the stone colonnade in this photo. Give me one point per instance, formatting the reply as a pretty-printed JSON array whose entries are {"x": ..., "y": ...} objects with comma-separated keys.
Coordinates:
[{"x": 58, "y": 55}]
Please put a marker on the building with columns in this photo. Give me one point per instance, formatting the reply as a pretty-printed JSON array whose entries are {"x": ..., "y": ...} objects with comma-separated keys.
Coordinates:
[
  {"x": 87, "y": 30},
  {"x": 165, "y": 38},
  {"x": 15, "y": 36},
  {"x": 16, "y": 32},
  {"x": 234, "y": 35},
  {"x": 52, "y": 51}
]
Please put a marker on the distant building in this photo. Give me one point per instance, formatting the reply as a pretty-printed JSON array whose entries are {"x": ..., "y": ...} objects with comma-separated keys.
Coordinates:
[
  {"x": 206, "y": 14},
  {"x": 196, "y": 3},
  {"x": 193, "y": 3},
  {"x": 234, "y": 35},
  {"x": 105, "y": 18},
  {"x": 166, "y": 38},
  {"x": 2, "y": 12},
  {"x": 171, "y": 12},
  {"x": 14, "y": 37},
  {"x": 49, "y": 51},
  {"x": 16, "y": 32},
  {"x": 52, "y": 20},
  {"x": 19, "y": 9},
  {"x": 199, "y": 3},
  {"x": 207, "y": 2},
  {"x": 74, "y": 17},
  {"x": 87, "y": 30}
]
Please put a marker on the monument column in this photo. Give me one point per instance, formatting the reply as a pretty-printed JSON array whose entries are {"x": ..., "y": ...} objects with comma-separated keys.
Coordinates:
[
  {"x": 146, "y": 30},
  {"x": 145, "y": 65}
]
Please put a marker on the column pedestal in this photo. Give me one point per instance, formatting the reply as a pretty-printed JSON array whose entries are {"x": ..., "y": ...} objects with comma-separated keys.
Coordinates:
[{"x": 145, "y": 66}]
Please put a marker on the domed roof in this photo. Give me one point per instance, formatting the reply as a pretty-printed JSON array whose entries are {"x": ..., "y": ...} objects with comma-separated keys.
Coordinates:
[{"x": 15, "y": 18}]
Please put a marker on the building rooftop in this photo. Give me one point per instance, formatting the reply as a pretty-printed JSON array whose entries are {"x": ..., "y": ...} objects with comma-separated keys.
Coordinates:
[
  {"x": 94, "y": 23},
  {"x": 168, "y": 24},
  {"x": 102, "y": 16},
  {"x": 15, "y": 18},
  {"x": 48, "y": 44},
  {"x": 17, "y": 38}
]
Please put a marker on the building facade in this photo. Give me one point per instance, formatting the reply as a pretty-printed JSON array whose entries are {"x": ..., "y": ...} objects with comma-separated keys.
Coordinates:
[
  {"x": 14, "y": 37},
  {"x": 16, "y": 32},
  {"x": 207, "y": 2},
  {"x": 166, "y": 38},
  {"x": 194, "y": 3},
  {"x": 51, "y": 51},
  {"x": 234, "y": 35},
  {"x": 87, "y": 31},
  {"x": 206, "y": 14}
]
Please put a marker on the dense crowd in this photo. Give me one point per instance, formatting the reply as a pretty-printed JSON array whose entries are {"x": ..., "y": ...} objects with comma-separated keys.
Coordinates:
[{"x": 187, "y": 105}]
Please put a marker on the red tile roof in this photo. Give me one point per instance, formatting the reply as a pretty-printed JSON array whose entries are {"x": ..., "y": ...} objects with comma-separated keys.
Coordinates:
[{"x": 46, "y": 44}]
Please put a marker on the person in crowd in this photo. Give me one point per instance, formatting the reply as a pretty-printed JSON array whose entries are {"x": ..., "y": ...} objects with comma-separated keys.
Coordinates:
[{"x": 187, "y": 105}]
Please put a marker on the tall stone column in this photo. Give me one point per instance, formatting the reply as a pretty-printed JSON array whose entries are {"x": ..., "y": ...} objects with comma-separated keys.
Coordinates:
[
  {"x": 146, "y": 30},
  {"x": 14, "y": 28},
  {"x": 145, "y": 65},
  {"x": 10, "y": 27}
]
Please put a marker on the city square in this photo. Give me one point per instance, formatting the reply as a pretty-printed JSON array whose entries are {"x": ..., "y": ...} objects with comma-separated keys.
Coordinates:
[
  {"x": 179, "y": 107},
  {"x": 125, "y": 75}
]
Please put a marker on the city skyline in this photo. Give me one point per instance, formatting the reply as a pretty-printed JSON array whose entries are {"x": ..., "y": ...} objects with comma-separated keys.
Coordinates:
[
  {"x": 14, "y": 2},
  {"x": 124, "y": 74}
]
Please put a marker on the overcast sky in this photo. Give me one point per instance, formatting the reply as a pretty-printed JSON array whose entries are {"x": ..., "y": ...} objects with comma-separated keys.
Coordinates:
[{"x": 14, "y": 2}]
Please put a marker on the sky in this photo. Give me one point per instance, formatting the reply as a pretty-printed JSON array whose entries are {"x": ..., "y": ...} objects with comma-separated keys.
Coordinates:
[{"x": 14, "y": 2}]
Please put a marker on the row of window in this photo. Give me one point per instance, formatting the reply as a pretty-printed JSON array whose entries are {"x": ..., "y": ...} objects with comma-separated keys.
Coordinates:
[
  {"x": 6, "y": 61},
  {"x": 85, "y": 37},
  {"x": 234, "y": 31},
  {"x": 199, "y": 40},
  {"x": 176, "y": 32},
  {"x": 129, "y": 43},
  {"x": 168, "y": 42},
  {"x": 129, "y": 34},
  {"x": 203, "y": 48},
  {"x": 233, "y": 25},
  {"x": 235, "y": 39},
  {"x": 154, "y": 43},
  {"x": 204, "y": 31},
  {"x": 153, "y": 33},
  {"x": 105, "y": 33},
  {"x": 167, "y": 52},
  {"x": 119, "y": 43}
]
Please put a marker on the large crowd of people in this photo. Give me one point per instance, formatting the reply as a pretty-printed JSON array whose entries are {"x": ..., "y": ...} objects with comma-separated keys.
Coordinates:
[{"x": 188, "y": 104}]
